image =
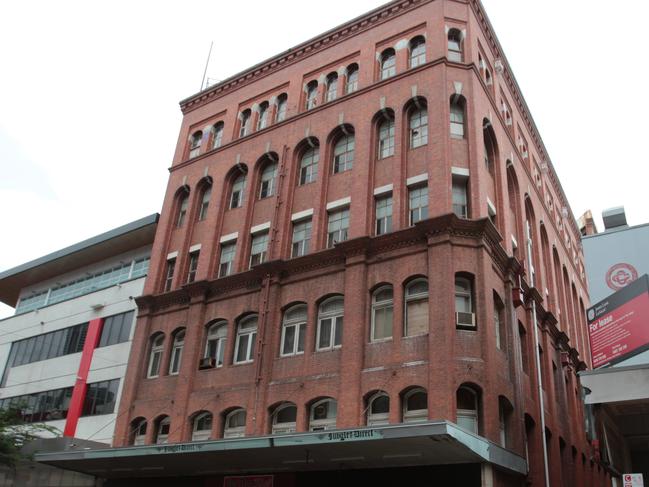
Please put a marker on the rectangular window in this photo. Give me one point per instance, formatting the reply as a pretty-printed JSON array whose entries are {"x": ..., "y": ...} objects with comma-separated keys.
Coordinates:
[
  {"x": 418, "y": 204},
  {"x": 205, "y": 204},
  {"x": 258, "y": 249},
  {"x": 101, "y": 398},
  {"x": 116, "y": 329},
  {"x": 226, "y": 262},
  {"x": 301, "y": 238},
  {"x": 338, "y": 226},
  {"x": 460, "y": 203},
  {"x": 293, "y": 339},
  {"x": 330, "y": 333},
  {"x": 41, "y": 406},
  {"x": 169, "y": 277},
  {"x": 193, "y": 266},
  {"x": 384, "y": 215},
  {"x": 524, "y": 350},
  {"x": 48, "y": 345}
]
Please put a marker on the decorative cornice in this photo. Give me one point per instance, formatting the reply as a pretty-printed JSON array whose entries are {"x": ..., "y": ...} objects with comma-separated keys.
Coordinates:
[{"x": 323, "y": 41}]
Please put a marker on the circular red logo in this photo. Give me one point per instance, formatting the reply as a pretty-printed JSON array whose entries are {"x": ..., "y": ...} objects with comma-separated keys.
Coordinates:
[{"x": 620, "y": 275}]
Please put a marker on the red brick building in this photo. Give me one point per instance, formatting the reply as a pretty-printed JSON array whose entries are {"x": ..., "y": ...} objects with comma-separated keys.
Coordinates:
[{"x": 343, "y": 245}]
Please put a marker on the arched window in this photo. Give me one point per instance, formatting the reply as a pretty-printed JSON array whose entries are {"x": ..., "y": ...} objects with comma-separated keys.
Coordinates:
[
  {"x": 217, "y": 335},
  {"x": 177, "y": 352},
  {"x": 234, "y": 425},
  {"x": 217, "y": 135},
  {"x": 183, "y": 203},
  {"x": 202, "y": 427},
  {"x": 418, "y": 126},
  {"x": 382, "y": 313},
  {"x": 417, "y": 51},
  {"x": 195, "y": 144},
  {"x": 457, "y": 117},
  {"x": 244, "y": 128},
  {"x": 330, "y": 323},
  {"x": 415, "y": 405},
  {"x": 505, "y": 410},
  {"x": 388, "y": 63},
  {"x": 268, "y": 178},
  {"x": 293, "y": 329},
  {"x": 464, "y": 310},
  {"x": 455, "y": 45},
  {"x": 499, "y": 322},
  {"x": 284, "y": 418},
  {"x": 416, "y": 304},
  {"x": 467, "y": 409},
  {"x": 311, "y": 95},
  {"x": 344, "y": 153},
  {"x": 378, "y": 409},
  {"x": 138, "y": 431},
  {"x": 282, "y": 104},
  {"x": 236, "y": 195},
  {"x": 386, "y": 136},
  {"x": 352, "y": 78},
  {"x": 162, "y": 430},
  {"x": 246, "y": 338},
  {"x": 205, "y": 202},
  {"x": 155, "y": 355},
  {"x": 489, "y": 146},
  {"x": 262, "y": 121},
  {"x": 332, "y": 86},
  {"x": 323, "y": 415},
  {"x": 309, "y": 165}
]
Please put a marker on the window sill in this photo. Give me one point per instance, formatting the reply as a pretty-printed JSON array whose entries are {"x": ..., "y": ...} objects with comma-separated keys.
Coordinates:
[
  {"x": 380, "y": 340},
  {"x": 289, "y": 355},
  {"x": 419, "y": 335},
  {"x": 247, "y": 362},
  {"x": 330, "y": 349}
]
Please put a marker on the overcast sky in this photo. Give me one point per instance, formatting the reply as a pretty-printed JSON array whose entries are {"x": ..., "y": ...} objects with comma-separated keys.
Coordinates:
[{"x": 89, "y": 96}]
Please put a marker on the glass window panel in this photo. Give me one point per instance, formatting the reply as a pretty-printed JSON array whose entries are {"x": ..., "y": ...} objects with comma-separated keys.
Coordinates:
[{"x": 417, "y": 317}]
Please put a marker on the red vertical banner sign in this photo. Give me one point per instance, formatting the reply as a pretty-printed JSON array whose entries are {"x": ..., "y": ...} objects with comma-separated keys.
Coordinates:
[{"x": 81, "y": 384}]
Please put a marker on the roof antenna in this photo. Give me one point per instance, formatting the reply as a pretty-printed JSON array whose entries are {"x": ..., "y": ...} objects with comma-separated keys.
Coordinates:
[{"x": 207, "y": 63}]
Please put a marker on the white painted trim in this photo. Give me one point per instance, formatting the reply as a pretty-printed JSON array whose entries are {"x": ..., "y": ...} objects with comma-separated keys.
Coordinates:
[
  {"x": 260, "y": 228},
  {"x": 460, "y": 171},
  {"x": 383, "y": 189},
  {"x": 514, "y": 241},
  {"x": 338, "y": 203},
  {"x": 194, "y": 248},
  {"x": 229, "y": 237},
  {"x": 491, "y": 207},
  {"x": 172, "y": 255},
  {"x": 302, "y": 214},
  {"x": 417, "y": 179}
]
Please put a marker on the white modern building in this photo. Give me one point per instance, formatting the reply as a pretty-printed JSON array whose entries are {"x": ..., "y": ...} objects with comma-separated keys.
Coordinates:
[{"x": 64, "y": 352}]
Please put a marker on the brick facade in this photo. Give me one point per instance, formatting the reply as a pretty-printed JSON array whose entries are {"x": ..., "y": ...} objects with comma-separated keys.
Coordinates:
[{"x": 517, "y": 184}]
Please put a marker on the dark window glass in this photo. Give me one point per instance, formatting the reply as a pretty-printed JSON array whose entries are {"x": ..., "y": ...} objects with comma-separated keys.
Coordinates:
[
  {"x": 100, "y": 398},
  {"x": 117, "y": 329},
  {"x": 41, "y": 406}
]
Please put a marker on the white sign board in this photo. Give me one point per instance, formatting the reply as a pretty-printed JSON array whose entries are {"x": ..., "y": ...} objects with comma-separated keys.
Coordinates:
[{"x": 632, "y": 480}]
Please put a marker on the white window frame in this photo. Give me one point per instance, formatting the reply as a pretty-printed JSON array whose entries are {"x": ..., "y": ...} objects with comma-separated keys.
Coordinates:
[
  {"x": 218, "y": 334},
  {"x": 238, "y": 189},
  {"x": 139, "y": 436},
  {"x": 326, "y": 423},
  {"x": 388, "y": 64},
  {"x": 246, "y": 117},
  {"x": 283, "y": 428},
  {"x": 182, "y": 210},
  {"x": 351, "y": 79},
  {"x": 262, "y": 120},
  {"x": 235, "y": 431},
  {"x": 282, "y": 103},
  {"x": 268, "y": 179},
  {"x": 337, "y": 318},
  {"x": 175, "y": 361},
  {"x": 218, "y": 135},
  {"x": 457, "y": 120},
  {"x": 332, "y": 87},
  {"x": 377, "y": 419},
  {"x": 469, "y": 414},
  {"x": 386, "y": 138},
  {"x": 341, "y": 233},
  {"x": 298, "y": 323},
  {"x": 344, "y": 153},
  {"x": 201, "y": 435},
  {"x": 311, "y": 95},
  {"x": 454, "y": 54},
  {"x": 230, "y": 263},
  {"x": 309, "y": 165},
  {"x": 193, "y": 266},
  {"x": 417, "y": 297},
  {"x": 157, "y": 350},
  {"x": 382, "y": 305},
  {"x": 417, "y": 52},
  {"x": 467, "y": 294},
  {"x": 421, "y": 211},
  {"x": 259, "y": 257},
  {"x": 385, "y": 220},
  {"x": 418, "y": 127},
  {"x": 251, "y": 333},
  {"x": 417, "y": 415},
  {"x": 162, "y": 438},
  {"x": 195, "y": 144},
  {"x": 205, "y": 203},
  {"x": 301, "y": 226}
]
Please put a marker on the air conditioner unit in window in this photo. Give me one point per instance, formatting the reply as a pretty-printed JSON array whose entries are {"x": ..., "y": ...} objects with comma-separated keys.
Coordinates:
[
  {"x": 207, "y": 363},
  {"x": 465, "y": 320}
]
